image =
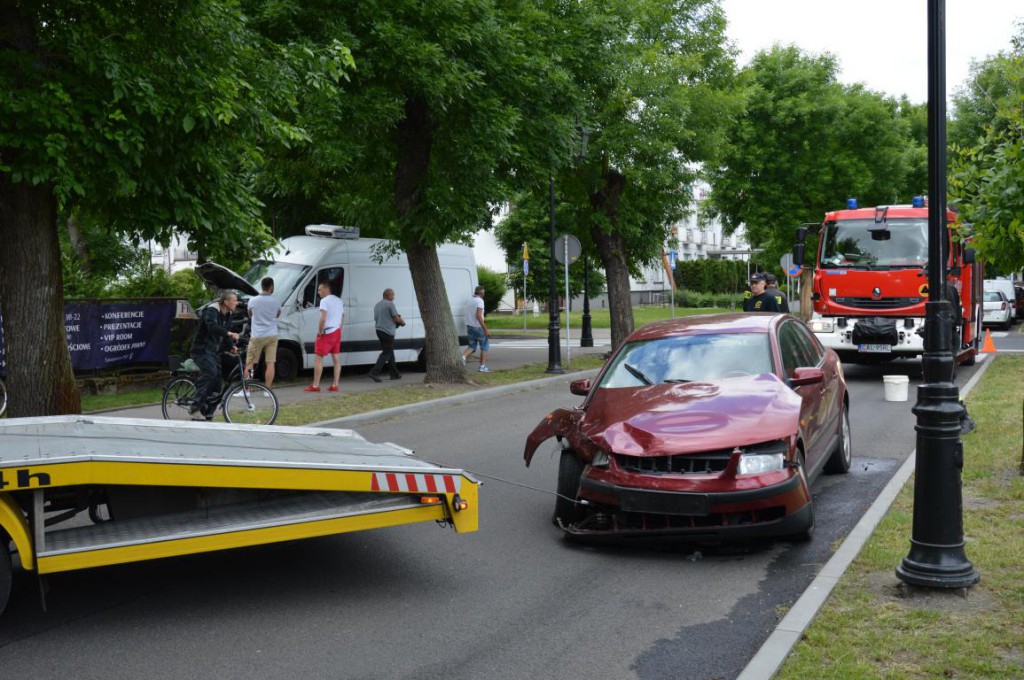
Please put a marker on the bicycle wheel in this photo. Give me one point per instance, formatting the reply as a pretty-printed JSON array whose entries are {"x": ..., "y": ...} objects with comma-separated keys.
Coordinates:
[
  {"x": 256, "y": 404},
  {"x": 179, "y": 395},
  {"x": 3, "y": 398}
]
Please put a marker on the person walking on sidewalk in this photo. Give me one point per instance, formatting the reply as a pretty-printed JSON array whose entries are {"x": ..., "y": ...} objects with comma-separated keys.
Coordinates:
[
  {"x": 263, "y": 313},
  {"x": 328, "y": 336},
  {"x": 387, "y": 321},
  {"x": 477, "y": 329},
  {"x": 211, "y": 336}
]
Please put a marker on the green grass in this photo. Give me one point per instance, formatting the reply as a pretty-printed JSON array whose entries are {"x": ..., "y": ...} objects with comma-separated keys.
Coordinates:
[
  {"x": 871, "y": 628},
  {"x": 599, "y": 318},
  {"x": 346, "y": 404}
]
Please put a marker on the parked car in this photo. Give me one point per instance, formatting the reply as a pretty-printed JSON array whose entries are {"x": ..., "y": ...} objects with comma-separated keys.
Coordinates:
[
  {"x": 1018, "y": 290},
  {"x": 1004, "y": 286},
  {"x": 996, "y": 309},
  {"x": 708, "y": 427}
]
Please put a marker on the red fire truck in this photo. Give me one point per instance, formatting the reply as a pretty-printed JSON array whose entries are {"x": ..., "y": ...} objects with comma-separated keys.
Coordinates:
[{"x": 870, "y": 283}]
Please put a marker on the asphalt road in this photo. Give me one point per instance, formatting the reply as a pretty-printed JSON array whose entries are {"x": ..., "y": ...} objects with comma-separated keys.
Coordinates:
[{"x": 515, "y": 600}]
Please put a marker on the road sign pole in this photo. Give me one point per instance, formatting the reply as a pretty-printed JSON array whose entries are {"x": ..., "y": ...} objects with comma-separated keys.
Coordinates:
[{"x": 554, "y": 353}]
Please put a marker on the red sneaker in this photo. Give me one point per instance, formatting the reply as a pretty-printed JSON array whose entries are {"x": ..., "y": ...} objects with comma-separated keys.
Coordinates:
[
  {"x": 332, "y": 388},
  {"x": 311, "y": 388}
]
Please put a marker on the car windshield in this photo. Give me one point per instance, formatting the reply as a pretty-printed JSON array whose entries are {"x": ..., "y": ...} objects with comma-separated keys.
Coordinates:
[
  {"x": 286, "y": 276},
  {"x": 688, "y": 358},
  {"x": 860, "y": 243}
]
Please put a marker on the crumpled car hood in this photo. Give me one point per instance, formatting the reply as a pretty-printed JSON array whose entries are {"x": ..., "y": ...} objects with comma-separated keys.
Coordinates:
[{"x": 691, "y": 417}]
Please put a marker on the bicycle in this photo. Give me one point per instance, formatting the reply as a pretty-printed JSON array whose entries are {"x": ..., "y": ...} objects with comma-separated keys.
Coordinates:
[{"x": 244, "y": 401}]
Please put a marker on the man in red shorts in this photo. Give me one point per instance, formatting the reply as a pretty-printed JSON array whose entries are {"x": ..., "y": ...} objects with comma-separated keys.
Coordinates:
[{"x": 328, "y": 336}]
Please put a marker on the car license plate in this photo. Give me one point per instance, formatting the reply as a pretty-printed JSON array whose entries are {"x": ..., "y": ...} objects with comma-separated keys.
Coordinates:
[{"x": 873, "y": 348}]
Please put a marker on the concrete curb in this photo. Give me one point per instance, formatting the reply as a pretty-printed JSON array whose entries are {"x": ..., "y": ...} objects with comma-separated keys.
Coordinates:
[
  {"x": 455, "y": 400},
  {"x": 790, "y": 630}
]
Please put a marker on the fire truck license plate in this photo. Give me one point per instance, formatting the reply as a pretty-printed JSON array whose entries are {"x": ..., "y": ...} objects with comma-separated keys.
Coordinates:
[{"x": 874, "y": 348}]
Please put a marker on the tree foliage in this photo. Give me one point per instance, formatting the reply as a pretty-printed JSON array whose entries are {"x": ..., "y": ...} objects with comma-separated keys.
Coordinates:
[
  {"x": 650, "y": 84},
  {"x": 146, "y": 118},
  {"x": 987, "y": 166},
  {"x": 805, "y": 143}
]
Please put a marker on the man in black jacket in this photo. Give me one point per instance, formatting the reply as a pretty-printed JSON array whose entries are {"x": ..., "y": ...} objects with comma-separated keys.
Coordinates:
[
  {"x": 773, "y": 290},
  {"x": 211, "y": 335},
  {"x": 759, "y": 300}
]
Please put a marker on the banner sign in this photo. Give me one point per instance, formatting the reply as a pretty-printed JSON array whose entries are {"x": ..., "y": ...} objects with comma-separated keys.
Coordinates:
[{"x": 107, "y": 335}]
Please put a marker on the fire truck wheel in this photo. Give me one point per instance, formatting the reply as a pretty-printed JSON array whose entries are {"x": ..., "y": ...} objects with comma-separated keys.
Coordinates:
[{"x": 5, "y": 571}]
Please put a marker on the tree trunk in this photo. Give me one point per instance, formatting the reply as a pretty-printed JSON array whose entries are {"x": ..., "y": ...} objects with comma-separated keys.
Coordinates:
[
  {"x": 414, "y": 138},
  {"x": 806, "y": 286},
  {"x": 78, "y": 243},
  {"x": 39, "y": 376},
  {"x": 614, "y": 256}
]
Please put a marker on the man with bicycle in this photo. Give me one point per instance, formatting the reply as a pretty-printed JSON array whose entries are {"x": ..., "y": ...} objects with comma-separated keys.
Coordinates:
[{"x": 212, "y": 334}]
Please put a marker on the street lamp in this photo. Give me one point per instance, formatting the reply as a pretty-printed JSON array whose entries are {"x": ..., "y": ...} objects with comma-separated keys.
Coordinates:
[
  {"x": 587, "y": 334},
  {"x": 554, "y": 351},
  {"x": 937, "y": 558}
]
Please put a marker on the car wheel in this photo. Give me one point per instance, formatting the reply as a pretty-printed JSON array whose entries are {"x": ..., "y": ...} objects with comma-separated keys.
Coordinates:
[
  {"x": 287, "y": 366},
  {"x": 842, "y": 456},
  {"x": 570, "y": 470},
  {"x": 806, "y": 534}
]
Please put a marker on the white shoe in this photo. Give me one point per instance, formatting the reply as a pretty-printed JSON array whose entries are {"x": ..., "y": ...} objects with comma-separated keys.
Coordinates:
[
  {"x": 483, "y": 369},
  {"x": 463, "y": 357}
]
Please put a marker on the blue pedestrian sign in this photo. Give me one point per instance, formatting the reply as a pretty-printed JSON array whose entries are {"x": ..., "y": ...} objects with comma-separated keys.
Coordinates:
[{"x": 672, "y": 259}]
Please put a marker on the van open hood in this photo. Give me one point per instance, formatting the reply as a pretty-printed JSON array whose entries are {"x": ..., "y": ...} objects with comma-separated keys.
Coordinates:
[{"x": 222, "y": 277}]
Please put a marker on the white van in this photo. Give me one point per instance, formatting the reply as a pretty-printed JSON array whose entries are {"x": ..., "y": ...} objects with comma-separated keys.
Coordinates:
[
  {"x": 1004, "y": 286},
  {"x": 339, "y": 256}
]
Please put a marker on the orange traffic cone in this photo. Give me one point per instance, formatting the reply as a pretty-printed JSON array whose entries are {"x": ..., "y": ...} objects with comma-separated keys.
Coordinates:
[{"x": 989, "y": 346}]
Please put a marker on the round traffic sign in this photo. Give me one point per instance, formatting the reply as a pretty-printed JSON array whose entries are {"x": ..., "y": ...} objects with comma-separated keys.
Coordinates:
[{"x": 567, "y": 244}]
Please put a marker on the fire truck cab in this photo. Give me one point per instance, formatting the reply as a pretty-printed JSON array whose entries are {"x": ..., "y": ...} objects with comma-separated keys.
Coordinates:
[{"x": 870, "y": 283}]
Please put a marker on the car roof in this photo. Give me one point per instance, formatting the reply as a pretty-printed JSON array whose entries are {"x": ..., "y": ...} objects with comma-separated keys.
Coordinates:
[{"x": 733, "y": 322}]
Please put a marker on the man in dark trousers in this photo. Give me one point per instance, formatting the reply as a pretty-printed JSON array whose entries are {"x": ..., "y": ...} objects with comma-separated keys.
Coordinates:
[
  {"x": 759, "y": 300},
  {"x": 772, "y": 289},
  {"x": 387, "y": 321},
  {"x": 211, "y": 335}
]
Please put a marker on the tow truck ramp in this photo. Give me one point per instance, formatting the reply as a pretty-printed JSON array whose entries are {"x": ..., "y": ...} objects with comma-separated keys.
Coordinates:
[{"x": 81, "y": 491}]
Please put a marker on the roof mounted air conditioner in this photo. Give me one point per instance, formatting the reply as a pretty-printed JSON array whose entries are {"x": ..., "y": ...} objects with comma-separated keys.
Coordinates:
[{"x": 331, "y": 231}]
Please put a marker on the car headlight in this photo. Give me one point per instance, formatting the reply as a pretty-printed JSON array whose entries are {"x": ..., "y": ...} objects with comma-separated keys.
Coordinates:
[
  {"x": 757, "y": 463},
  {"x": 822, "y": 325},
  {"x": 600, "y": 459}
]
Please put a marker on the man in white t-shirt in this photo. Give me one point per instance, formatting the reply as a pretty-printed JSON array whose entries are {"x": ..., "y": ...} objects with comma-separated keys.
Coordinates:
[
  {"x": 477, "y": 329},
  {"x": 328, "y": 336},
  {"x": 263, "y": 312}
]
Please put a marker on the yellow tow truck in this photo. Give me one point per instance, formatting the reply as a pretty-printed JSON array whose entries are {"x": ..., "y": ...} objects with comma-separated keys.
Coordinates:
[{"x": 78, "y": 492}]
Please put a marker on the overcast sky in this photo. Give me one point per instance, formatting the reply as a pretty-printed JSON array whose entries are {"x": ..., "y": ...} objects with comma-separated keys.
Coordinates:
[{"x": 881, "y": 43}]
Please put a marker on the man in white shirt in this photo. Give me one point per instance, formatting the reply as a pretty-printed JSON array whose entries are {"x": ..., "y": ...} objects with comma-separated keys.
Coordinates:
[
  {"x": 477, "y": 329},
  {"x": 264, "y": 310},
  {"x": 328, "y": 336}
]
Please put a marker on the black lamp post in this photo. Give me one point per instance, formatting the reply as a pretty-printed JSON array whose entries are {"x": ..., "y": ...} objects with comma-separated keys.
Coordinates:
[
  {"x": 554, "y": 350},
  {"x": 587, "y": 334},
  {"x": 937, "y": 558}
]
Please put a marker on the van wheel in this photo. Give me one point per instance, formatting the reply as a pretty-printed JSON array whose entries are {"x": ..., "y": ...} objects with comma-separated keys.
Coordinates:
[
  {"x": 287, "y": 367},
  {"x": 5, "y": 571}
]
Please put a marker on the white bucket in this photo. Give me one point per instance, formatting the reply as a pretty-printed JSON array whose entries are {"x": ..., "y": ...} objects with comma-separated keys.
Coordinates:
[{"x": 896, "y": 387}]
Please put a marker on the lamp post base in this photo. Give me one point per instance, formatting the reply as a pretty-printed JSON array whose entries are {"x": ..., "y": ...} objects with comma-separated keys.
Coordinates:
[{"x": 937, "y": 566}]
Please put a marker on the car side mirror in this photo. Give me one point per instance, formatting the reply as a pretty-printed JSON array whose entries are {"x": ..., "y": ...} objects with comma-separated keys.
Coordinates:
[
  {"x": 807, "y": 375},
  {"x": 580, "y": 387}
]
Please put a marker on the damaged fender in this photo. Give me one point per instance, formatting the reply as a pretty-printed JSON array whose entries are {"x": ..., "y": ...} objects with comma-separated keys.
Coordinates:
[{"x": 555, "y": 424}]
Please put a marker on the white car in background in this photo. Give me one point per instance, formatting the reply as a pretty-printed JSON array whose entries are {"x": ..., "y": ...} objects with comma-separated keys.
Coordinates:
[
  {"x": 997, "y": 309},
  {"x": 1004, "y": 286}
]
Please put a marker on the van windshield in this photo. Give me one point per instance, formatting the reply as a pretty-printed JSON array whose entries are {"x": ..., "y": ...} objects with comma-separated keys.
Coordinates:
[{"x": 286, "y": 276}]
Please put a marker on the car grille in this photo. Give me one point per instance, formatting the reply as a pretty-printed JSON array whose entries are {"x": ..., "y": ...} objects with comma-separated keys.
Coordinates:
[
  {"x": 642, "y": 521},
  {"x": 691, "y": 463},
  {"x": 884, "y": 303}
]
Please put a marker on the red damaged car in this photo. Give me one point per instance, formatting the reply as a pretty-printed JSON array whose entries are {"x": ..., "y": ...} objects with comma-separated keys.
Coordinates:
[{"x": 707, "y": 427}]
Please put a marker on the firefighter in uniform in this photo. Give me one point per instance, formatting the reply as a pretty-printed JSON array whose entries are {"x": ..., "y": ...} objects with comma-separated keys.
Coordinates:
[{"x": 759, "y": 300}]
